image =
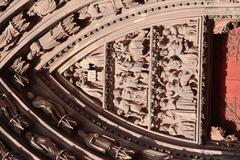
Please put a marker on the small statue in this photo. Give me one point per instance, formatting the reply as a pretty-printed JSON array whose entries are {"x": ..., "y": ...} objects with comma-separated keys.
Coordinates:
[
  {"x": 42, "y": 8},
  {"x": 98, "y": 10},
  {"x": 106, "y": 145},
  {"x": 12, "y": 32},
  {"x": 19, "y": 67},
  {"x": 9, "y": 111},
  {"x": 4, "y": 3},
  {"x": 54, "y": 37},
  {"x": 48, "y": 147},
  {"x": 56, "y": 111},
  {"x": 5, "y": 154}
]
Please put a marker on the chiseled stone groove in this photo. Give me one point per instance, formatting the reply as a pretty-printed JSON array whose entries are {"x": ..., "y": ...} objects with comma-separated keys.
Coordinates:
[
  {"x": 43, "y": 27},
  {"x": 11, "y": 9},
  {"x": 89, "y": 34},
  {"x": 65, "y": 141},
  {"x": 10, "y": 138},
  {"x": 180, "y": 149}
]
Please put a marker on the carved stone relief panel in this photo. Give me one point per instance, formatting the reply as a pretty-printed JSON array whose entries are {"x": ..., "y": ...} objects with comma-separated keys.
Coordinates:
[
  {"x": 127, "y": 76},
  {"x": 87, "y": 74},
  {"x": 152, "y": 77},
  {"x": 175, "y": 77}
]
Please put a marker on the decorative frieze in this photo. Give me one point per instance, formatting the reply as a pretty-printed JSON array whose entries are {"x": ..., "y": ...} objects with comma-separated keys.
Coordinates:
[{"x": 171, "y": 83}]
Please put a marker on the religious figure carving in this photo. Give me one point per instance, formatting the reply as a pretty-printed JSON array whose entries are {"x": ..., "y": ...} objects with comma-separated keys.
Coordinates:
[
  {"x": 98, "y": 10},
  {"x": 5, "y": 154},
  {"x": 44, "y": 7},
  {"x": 135, "y": 3},
  {"x": 131, "y": 56},
  {"x": 46, "y": 146},
  {"x": 19, "y": 68},
  {"x": 106, "y": 145},
  {"x": 4, "y": 3},
  {"x": 87, "y": 74},
  {"x": 16, "y": 27},
  {"x": 178, "y": 123},
  {"x": 175, "y": 78},
  {"x": 54, "y": 110},
  {"x": 54, "y": 37},
  {"x": 10, "y": 112}
]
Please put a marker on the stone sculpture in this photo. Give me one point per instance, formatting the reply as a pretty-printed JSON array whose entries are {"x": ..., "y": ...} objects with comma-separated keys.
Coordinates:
[
  {"x": 131, "y": 75},
  {"x": 5, "y": 154},
  {"x": 106, "y": 145},
  {"x": 42, "y": 8},
  {"x": 10, "y": 35},
  {"x": 54, "y": 110},
  {"x": 4, "y": 3},
  {"x": 54, "y": 37},
  {"x": 98, "y": 10},
  {"x": 46, "y": 146},
  {"x": 19, "y": 69},
  {"x": 87, "y": 74},
  {"x": 10, "y": 112},
  {"x": 175, "y": 72}
]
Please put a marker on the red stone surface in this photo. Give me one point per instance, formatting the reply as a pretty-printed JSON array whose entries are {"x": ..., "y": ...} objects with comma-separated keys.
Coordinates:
[{"x": 232, "y": 80}]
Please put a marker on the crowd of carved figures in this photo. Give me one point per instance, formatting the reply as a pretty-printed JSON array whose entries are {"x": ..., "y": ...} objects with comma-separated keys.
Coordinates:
[
  {"x": 175, "y": 78},
  {"x": 57, "y": 35},
  {"x": 87, "y": 74},
  {"x": 21, "y": 125},
  {"x": 22, "y": 22},
  {"x": 131, "y": 63}
]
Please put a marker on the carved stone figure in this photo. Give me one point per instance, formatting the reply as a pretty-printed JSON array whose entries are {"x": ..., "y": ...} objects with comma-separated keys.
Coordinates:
[
  {"x": 4, "y": 3},
  {"x": 44, "y": 7},
  {"x": 5, "y": 154},
  {"x": 19, "y": 68},
  {"x": 129, "y": 108},
  {"x": 54, "y": 37},
  {"x": 47, "y": 147},
  {"x": 175, "y": 78},
  {"x": 54, "y": 110},
  {"x": 9, "y": 37},
  {"x": 218, "y": 134},
  {"x": 98, "y": 10},
  {"x": 10, "y": 112},
  {"x": 178, "y": 123},
  {"x": 87, "y": 74},
  {"x": 106, "y": 145},
  {"x": 131, "y": 61}
]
